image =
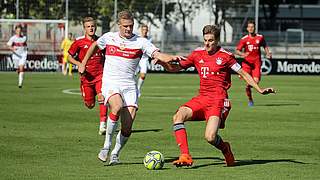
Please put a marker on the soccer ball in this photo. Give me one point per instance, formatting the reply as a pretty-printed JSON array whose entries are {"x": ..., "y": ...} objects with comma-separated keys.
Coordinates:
[{"x": 153, "y": 160}]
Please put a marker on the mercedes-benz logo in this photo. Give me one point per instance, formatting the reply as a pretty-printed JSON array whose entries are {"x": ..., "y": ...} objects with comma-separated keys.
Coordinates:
[{"x": 266, "y": 66}]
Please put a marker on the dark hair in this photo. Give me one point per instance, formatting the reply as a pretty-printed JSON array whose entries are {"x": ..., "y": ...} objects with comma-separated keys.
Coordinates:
[
  {"x": 212, "y": 29},
  {"x": 251, "y": 22},
  {"x": 88, "y": 19},
  {"x": 125, "y": 15},
  {"x": 18, "y": 26}
]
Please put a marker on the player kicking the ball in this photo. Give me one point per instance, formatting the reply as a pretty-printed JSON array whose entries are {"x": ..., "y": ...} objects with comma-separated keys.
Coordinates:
[
  {"x": 91, "y": 81},
  {"x": 213, "y": 64},
  {"x": 123, "y": 53}
]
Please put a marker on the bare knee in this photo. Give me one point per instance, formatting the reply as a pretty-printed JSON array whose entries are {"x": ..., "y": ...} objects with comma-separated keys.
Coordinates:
[
  {"x": 182, "y": 115},
  {"x": 210, "y": 137}
]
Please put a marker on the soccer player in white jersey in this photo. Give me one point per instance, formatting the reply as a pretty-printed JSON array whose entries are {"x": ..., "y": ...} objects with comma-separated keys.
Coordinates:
[
  {"x": 123, "y": 53},
  {"x": 143, "y": 64},
  {"x": 18, "y": 45}
]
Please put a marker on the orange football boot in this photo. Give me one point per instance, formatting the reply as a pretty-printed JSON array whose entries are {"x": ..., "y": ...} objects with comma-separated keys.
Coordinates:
[
  {"x": 184, "y": 160},
  {"x": 229, "y": 158}
]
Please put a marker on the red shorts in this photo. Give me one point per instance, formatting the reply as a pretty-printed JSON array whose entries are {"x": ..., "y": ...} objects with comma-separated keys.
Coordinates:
[
  {"x": 90, "y": 90},
  {"x": 254, "y": 69},
  {"x": 203, "y": 108}
]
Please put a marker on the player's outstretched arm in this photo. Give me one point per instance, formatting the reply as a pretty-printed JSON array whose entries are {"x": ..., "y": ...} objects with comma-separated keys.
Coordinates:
[
  {"x": 268, "y": 52},
  {"x": 93, "y": 48},
  {"x": 73, "y": 61},
  {"x": 166, "y": 57},
  {"x": 242, "y": 54},
  {"x": 253, "y": 83},
  {"x": 168, "y": 66}
]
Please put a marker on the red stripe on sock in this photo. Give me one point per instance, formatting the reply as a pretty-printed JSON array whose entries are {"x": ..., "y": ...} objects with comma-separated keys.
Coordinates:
[{"x": 113, "y": 117}]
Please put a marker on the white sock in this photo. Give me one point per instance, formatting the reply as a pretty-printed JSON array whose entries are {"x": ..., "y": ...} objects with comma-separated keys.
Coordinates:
[
  {"x": 111, "y": 128},
  {"x": 102, "y": 124},
  {"x": 140, "y": 83},
  {"x": 120, "y": 142},
  {"x": 21, "y": 78}
]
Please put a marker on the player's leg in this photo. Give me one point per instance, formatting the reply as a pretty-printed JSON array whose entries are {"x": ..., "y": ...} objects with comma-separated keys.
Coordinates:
[
  {"x": 128, "y": 114},
  {"x": 70, "y": 69},
  {"x": 143, "y": 73},
  {"x": 127, "y": 117},
  {"x": 211, "y": 133},
  {"x": 213, "y": 138},
  {"x": 64, "y": 64},
  {"x": 225, "y": 112},
  {"x": 256, "y": 75},
  {"x": 248, "y": 68},
  {"x": 102, "y": 107},
  {"x": 183, "y": 114},
  {"x": 88, "y": 94},
  {"x": 21, "y": 64},
  {"x": 115, "y": 103}
]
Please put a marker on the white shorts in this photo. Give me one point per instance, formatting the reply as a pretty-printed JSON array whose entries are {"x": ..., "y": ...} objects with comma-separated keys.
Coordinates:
[
  {"x": 143, "y": 65},
  {"x": 129, "y": 94},
  {"x": 19, "y": 59}
]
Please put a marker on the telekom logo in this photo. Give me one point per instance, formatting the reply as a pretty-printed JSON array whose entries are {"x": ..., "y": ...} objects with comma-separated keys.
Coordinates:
[{"x": 204, "y": 71}]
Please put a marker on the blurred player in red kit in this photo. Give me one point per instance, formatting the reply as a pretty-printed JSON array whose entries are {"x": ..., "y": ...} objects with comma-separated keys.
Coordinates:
[
  {"x": 213, "y": 65},
  {"x": 251, "y": 44},
  {"x": 91, "y": 80}
]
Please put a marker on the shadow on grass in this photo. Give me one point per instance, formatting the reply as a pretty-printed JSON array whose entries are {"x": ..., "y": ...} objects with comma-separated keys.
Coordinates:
[
  {"x": 279, "y": 104},
  {"x": 220, "y": 161},
  {"x": 144, "y": 130}
]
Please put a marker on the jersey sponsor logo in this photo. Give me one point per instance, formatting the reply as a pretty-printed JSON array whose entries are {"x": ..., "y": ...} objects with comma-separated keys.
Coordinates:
[
  {"x": 124, "y": 53},
  {"x": 219, "y": 60},
  {"x": 250, "y": 47},
  {"x": 204, "y": 71}
]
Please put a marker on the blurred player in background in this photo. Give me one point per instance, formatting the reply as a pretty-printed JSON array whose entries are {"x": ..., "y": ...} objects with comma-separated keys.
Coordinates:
[
  {"x": 213, "y": 65},
  {"x": 65, "y": 45},
  {"x": 123, "y": 53},
  {"x": 143, "y": 64},
  {"x": 18, "y": 45},
  {"x": 91, "y": 81},
  {"x": 251, "y": 44}
]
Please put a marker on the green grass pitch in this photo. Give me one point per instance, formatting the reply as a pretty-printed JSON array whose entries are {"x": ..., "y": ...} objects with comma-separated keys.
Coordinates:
[{"x": 48, "y": 134}]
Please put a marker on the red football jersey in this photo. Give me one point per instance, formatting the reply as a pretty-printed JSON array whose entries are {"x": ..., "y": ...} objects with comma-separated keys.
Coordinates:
[
  {"x": 252, "y": 46},
  {"x": 214, "y": 71},
  {"x": 94, "y": 66}
]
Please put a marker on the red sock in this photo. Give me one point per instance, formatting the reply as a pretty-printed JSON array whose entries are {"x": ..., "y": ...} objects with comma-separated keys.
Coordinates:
[
  {"x": 113, "y": 117},
  {"x": 249, "y": 94},
  {"x": 103, "y": 112},
  {"x": 181, "y": 138}
]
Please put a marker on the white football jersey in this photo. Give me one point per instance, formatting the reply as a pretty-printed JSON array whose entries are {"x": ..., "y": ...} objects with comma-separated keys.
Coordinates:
[
  {"x": 20, "y": 43},
  {"x": 122, "y": 57}
]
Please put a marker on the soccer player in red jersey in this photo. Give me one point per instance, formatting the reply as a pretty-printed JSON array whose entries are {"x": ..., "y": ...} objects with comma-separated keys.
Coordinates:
[
  {"x": 251, "y": 44},
  {"x": 213, "y": 64},
  {"x": 91, "y": 81}
]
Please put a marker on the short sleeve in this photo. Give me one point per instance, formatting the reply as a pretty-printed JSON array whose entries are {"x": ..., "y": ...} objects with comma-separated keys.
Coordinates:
[
  {"x": 188, "y": 62},
  {"x": 233, "y": 64},
  {"x": 148, "y": 48},
  {"x": 263, "y": 42},
  {"x": 74, "y": 48},
  {"x": 102, "y": 41},
  {"x": 240, "y": 45}
]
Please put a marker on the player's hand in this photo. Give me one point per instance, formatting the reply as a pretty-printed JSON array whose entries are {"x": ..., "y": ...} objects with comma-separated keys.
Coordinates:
[
  {"x": 269, "y": 56},
  {"x": 178, "y": 58},
  {"x": 243, "y": 55},
  {"x": 268, "y": 91},
  {"x": 81, "y": 68}
]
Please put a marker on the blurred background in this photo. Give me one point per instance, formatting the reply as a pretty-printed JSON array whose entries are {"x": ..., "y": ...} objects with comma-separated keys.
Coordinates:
[{"x": 291, "y": 27}]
